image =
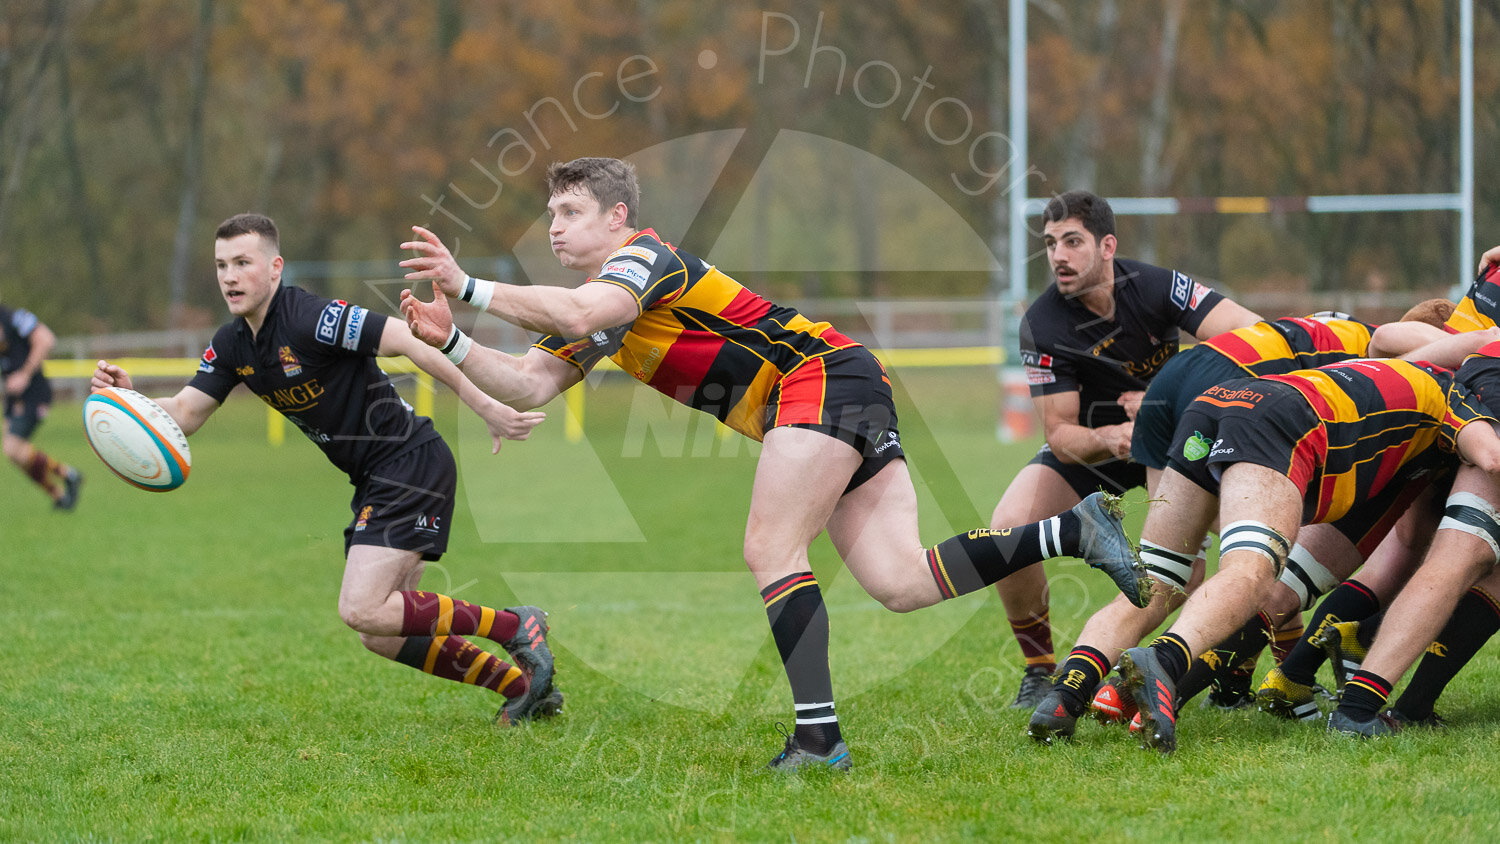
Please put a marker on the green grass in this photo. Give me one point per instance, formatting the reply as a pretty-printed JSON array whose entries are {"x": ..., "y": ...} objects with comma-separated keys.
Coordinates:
[{"x": 174, "y": 667}]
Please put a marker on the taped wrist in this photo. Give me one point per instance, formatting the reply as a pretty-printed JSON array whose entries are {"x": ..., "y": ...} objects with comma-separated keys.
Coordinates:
[
  {"x": 478, "y": 292},
  {"x": 457, "y": 346}
]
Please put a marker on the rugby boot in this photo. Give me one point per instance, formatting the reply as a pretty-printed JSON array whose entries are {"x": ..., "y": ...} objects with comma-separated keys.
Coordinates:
[
  {"x": 528, "y": 647},
  {"x": 1285, "y": 698},
  {"x": 1431, "y": 720},
  {"x": 1035, "y": 684},
  {"x": 1155, "y": 695},
  {"x": 1375, "y": 727},
  {"x": 1053, "y": 719},
  {"x": 1340, "y": 640},
  {"x": 795, "y": 756},
  {"x": 529, "y": 707},
  {"x": 1103, "y": 545},
  {"x": 72, "y": 484}
]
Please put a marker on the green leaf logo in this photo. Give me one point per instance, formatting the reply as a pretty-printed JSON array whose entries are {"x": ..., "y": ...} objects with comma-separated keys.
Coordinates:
[{"x": 1196, "y": 447}]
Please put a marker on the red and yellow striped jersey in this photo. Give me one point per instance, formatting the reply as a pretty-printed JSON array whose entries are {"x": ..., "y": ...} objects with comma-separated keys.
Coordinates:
[
  {"x": 1377, "y": 416},
  {"x": 701, "y": 338},
  {"x": 1292, "y": 343},
  {"x": 1478, "y": 309}
]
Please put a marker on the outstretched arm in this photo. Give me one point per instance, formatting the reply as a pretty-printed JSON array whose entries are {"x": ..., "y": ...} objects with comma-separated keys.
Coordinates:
[
  {"x": 1225, "y": 316},
  {"x": 1450, "y": 350},
  {"x": 190, "y": 408},
  {"x": 568, "y": 312},
  {"x": 503, "y": 422},
  {"x": 526, "y": 382}
]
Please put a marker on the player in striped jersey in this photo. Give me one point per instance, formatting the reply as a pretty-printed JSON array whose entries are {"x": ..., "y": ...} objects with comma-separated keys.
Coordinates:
[
  {"x": 1266, "y": 348},
  {"x": 820, "y": 404},
  {"x": 1463, "y": 553},
  {"x": 1267, "y": 455}
]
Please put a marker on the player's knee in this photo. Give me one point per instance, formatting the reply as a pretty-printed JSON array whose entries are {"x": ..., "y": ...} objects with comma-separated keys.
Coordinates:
[
  {"x": 358, "y": 618},
  {"x": 1472, "y": 514},
  {"x": 16, "y": 449},
  {"x": 372, "y": 642}
]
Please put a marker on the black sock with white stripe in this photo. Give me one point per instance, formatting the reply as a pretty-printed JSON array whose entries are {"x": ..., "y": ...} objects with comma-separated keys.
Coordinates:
[
  {"x": 971, "y": 561},
  {"x": 799, "y": 624}
]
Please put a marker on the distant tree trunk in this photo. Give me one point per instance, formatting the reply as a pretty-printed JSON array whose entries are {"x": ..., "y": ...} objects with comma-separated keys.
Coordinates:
[
  {"x": 1156, "y": 173},
  {"x": 83, "y": 209},
  {"x": 1081, "y": 156},
  {"x": 20, "y": 106},
  {"x": 996, "y": 102},
  {"x": 192, "y": 168}
]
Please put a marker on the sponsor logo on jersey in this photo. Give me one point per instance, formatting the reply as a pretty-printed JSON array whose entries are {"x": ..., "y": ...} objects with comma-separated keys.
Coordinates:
[
  {"x": 354, "y": 328},
  {"x": 429, "y": 524},
  {"x": 1032, "y": 358},
  {"x": 328, "y": 321},
  {"x": 206, "y": 364},
  {"x": 1039, "y": 376},
  {"x": 1182, "y": 289},
  {"x": 627, "y": 271},
  {"x": 1199, "y": 294},
  {"x": 364, "y": 518},
  {"x": 1195, "y": 447},
  {"x": 289, "y": 363},
  {"x": 647, "y": 255},
  {"x": 295, "y": 398},
  {"x": 1243, "y": 395}
]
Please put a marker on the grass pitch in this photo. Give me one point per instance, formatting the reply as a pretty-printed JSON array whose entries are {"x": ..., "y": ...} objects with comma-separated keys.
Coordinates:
[{"x": 174, "y": 667}]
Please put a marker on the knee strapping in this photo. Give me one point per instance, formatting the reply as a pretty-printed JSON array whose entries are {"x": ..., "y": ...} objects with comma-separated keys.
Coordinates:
[
  {"x": 1257, "y": 537},
  {"x": 1307, "y": 577},
  {"x": 1167, "y": 566},
  {"x": 1471, "y": 514}
]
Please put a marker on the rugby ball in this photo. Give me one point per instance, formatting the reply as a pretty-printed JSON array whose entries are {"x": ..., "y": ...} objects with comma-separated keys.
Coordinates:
[{"x": 136, "y": 439}]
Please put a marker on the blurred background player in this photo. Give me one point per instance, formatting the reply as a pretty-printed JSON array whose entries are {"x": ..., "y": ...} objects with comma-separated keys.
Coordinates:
[
  {"x": 313, "y": 359},
  {"x": 1090, "y": 343},
  {"x": 25, "y": 342}
]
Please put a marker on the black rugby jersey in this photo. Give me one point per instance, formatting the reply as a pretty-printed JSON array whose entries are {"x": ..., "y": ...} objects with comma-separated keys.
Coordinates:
[
  {"x": 314, "y": 361},
  {"x": 1066, "y": 347},
  {"x": 16, "y": 326}
]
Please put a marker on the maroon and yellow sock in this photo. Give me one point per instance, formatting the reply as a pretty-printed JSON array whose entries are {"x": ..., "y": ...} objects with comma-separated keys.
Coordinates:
[
  {"x": 431, "y": 614},
  {"x": 41, "y": 470},
  {"x": 456, "y": 658},
  {"x": 1034, "y": 635}
]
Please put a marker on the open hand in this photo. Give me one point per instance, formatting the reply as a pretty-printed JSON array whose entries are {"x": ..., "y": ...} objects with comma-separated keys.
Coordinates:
[
  {"x": 434, "y": 261},
  {"x": 429, "y": 322}
]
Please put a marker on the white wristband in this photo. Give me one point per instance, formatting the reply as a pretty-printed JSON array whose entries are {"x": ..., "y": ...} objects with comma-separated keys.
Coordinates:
[
  {"x": 458, "y": 346},
  {"x": 478, "y": 292}
]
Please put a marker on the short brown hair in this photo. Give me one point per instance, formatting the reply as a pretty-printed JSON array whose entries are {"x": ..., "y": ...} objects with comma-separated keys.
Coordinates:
[
  {"x": 609, "y": 180},
  {"x": 250, "y": 224},
  {"x": 1434, "y": 312},
  {"x": 1093, "y": 211}
]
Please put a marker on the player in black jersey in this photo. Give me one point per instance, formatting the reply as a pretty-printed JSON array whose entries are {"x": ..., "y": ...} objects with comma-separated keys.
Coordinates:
[
  {"x": 1090, "y": 344},
  {"x": 313, "y": 359},
  {"x": 25, "y": 342}
]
